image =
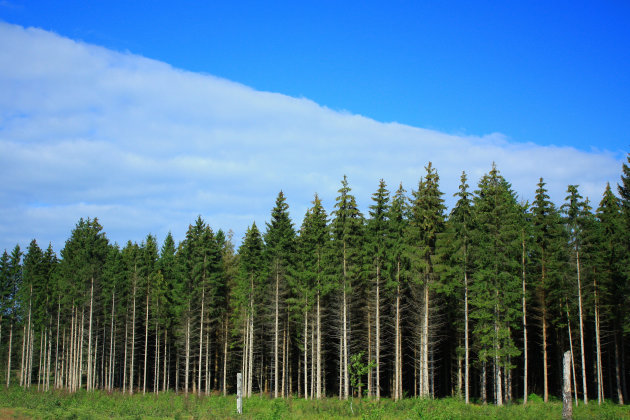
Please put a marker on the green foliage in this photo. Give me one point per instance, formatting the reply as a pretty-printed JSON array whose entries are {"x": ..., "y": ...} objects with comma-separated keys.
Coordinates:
[{"x": 102, "y": 406}]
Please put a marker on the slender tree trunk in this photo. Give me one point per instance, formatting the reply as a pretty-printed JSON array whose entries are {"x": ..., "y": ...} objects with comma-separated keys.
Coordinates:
[
  {"x": 207, "y": 361},
  {"x": 319, "y": 348},
  {"x": 484, "y": 389},
  {"x": 618, "y": 371},
  {"x": 146, "y": 343},
  {"x": 203, "y": 299},
  {"x": 544, "y": 335},
  {"x": 346, "y": 380},
  {"x": 133, "y": 334},
  {"x": 378, "y": 332},
  {"x": 306, "y": 355},
  {"x": 126, "y": 347},
  {"x": 600, "y": 384},
  {"x": 584, "y": 387},
  {"x": 284, "y": 361},
  {"x": 225, "y": 354},
  {"x": 571, "y": 347},
  {"x": 9, "y": 356},
  {"x": 166, "y": 356},
  {"x": 111, "y": 346},
  {"x": 82, "y": 335},
  {"x": 525, "y": 352},
  {"x": 497, "y": 358},
  {"x": 56, "y": 382},
  {"x": 88, "y": 385},
  {"x": 466, "y": 343},
  {"x": 276, "y": 336},
  {"x": 424, "y": 357},
  {"x": 312, "y": 394},
  {"x": 187, "y": 361}
]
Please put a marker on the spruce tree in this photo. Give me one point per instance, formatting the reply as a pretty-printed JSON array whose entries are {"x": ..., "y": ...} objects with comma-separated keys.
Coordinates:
[
  {"x": 279, "y": 253},
  {"x": 427, "y": 218},
  {"x": 398, "y": 277},
  {"x": 456, "y": 242},
  {"x": 495, "y": 290},
  {"x": 376, "y": 246},
  {"x": 347, "y": 236},
  {"x": 611, "y": 286}
]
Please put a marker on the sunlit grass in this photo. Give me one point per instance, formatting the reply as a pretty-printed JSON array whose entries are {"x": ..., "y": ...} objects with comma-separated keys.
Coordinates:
[{"x": 19, "y": 404}]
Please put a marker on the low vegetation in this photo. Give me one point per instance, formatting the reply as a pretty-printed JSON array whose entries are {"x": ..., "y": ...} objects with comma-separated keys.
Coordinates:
[{"x": 30, "y": 404}]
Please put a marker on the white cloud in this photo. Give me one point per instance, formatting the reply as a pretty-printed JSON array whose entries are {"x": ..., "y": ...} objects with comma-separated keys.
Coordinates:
[{"x": 85, "y": 131}]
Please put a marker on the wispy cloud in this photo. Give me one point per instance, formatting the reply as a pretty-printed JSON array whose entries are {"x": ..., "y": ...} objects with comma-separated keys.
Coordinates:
[{"x": 85, "y": 131}]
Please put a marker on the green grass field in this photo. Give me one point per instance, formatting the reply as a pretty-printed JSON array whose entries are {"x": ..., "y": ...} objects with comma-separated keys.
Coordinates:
[{"x": 19, "y": 404}]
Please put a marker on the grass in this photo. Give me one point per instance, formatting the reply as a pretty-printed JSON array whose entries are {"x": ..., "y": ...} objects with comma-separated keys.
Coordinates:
[{"x": 17, "y": 403}]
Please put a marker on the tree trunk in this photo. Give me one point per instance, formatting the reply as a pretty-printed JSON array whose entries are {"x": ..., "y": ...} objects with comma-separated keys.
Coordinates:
[
  {"x": 9, "y": 356},
  {"x": 346, "y": 380},
  {"x": 111, "y": 346},
  {"x": 319, "y": 350},
  {"x": 525, "y": 352},
  {"x": 306, "y": 355},
  {"x": 187, "y": 360},
  {"x": 544, "y": 346},
  {"x": 56, "y": 382},
  {"x": 584, "y": 388},
  {"x": 146, "y": 343},
  {"x": 225, "y": 353},
  {"x": 275, "y": 340},
  {"x": 618, "y": 371},
  {"x": 133, "y": 333},
  {"x": 203, "y": 301},
  {"x": 378, "y": 332},
  {"x": 600, "y": 384},
  {"x": 88, "y": 385},
  {"x": 466, "y": 343},
  {"x": 424, "y": 357}
]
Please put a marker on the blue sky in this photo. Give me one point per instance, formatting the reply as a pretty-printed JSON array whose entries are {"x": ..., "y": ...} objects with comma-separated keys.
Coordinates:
[{"x": 301, "y": 92}]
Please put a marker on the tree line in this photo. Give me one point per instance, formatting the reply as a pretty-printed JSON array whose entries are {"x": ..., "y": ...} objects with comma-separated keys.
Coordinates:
[{"x": 408, "y": 300}]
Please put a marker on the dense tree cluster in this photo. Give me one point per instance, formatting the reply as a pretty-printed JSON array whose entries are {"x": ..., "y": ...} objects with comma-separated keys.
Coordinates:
[{"x": 408, "y": 300}]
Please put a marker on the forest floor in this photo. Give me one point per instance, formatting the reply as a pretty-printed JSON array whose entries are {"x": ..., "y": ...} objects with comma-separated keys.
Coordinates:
[{"x": 16, "y": 403}]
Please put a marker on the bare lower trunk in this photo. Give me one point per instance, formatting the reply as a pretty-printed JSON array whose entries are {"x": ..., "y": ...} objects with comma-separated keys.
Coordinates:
[
  {"x": 203, "y": 298},
  {"x": 319, "y": 351},
  {"x": 525, "y": 352},
  {"x": 306, "y": 355},
  {"x": 276, "y": 333},
  {"x": 544, "y": 346},
  {"x": 584, "y": 388},
  {"x": 225, "y": 354},
  {"x": 133, "y": 336},
  {"x": 466, "y": 343},
  {"x": 88, "y": 384},
  {"x": 9, "y": 356},
  {"x": 600, "y": 384},
  {"x": 146, "y": 344},
  {"x": 377, "y": 321},
  {"x": 187, "y": 360}
]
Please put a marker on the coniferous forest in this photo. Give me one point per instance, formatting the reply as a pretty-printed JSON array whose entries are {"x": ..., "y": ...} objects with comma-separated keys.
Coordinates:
[{"x": 408, "y": 300}]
